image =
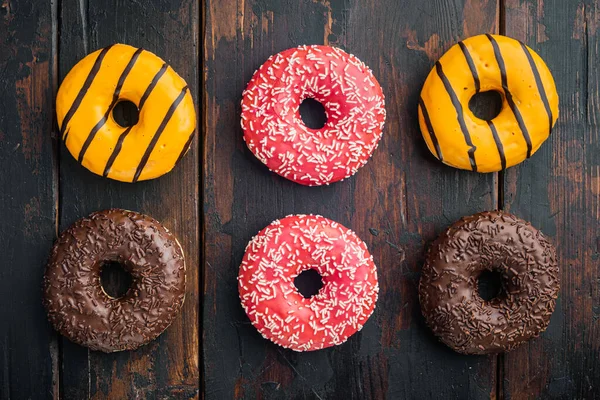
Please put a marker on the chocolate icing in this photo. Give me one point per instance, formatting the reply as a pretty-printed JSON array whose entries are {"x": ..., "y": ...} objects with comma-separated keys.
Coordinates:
[
  {"x": 507, "y": 93},
  {"x": 76, "y": 303},
  {"x": 448, "y": 293}
]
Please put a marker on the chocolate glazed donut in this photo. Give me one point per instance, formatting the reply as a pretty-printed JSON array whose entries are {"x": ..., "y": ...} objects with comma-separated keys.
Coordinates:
[
  {"x": 448, "y": 289},
  {"x": 76, "y": 302}
]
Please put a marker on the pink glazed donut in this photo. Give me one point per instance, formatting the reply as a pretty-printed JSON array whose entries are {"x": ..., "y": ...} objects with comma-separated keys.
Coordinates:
[
  {"x": 353, "y": 102},
  {"x": 284, "y": 249}
]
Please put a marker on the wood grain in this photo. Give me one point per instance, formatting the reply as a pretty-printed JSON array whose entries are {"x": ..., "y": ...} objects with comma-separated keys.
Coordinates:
[
  {"x": 397, "y": 203},
  {"x": 28, "y": 346},
  {"x": 167, "y": 367},
  {"x": 558, "y": 189}
]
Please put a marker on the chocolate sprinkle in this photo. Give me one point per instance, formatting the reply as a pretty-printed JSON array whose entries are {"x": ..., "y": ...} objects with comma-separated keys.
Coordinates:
[
  {"x": 448, "y": 293},
  {"x": 78, "y": 306}
]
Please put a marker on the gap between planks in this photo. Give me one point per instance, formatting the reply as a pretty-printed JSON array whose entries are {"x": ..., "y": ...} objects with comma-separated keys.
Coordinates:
[
  {"x": 501, "y": 195},
  {"x": 55, "y": 342}
]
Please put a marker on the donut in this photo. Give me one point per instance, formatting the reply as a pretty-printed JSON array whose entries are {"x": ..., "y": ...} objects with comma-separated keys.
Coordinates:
[
  {"x": 487, "y": 63},
  {"x": 284, "y": 249},
  {"x": 76, "y": 303},
  {"x": 448, "y": 289},
  {"x": 91, "y": 90},
  {"x": 354, "y": 106}
]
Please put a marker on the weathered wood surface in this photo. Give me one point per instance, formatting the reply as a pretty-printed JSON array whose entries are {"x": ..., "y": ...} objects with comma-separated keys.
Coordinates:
[
  {"x": 397, "y": 203},
  {"x": 28, "y": 193},
  {"x": 558, "y": 190}
]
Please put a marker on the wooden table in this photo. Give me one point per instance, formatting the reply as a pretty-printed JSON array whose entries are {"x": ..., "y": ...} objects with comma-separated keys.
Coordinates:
[{"x": 220, "y": 195}]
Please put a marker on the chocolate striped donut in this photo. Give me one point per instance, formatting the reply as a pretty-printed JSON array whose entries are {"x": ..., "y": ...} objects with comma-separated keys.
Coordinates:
[
  {"x": 479, "y": 64},
  {"x": 146, "y": 150}
]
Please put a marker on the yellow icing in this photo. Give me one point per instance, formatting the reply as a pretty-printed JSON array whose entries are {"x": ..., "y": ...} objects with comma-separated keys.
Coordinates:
[
  {"x": 522, "y": 86},
  {"x": 97, "y": 100}
]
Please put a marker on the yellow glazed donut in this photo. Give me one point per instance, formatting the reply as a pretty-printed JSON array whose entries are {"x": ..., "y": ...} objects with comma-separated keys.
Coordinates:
[
  {"x": 479, "y": 64},
  {"x": 146, "y": 150}
]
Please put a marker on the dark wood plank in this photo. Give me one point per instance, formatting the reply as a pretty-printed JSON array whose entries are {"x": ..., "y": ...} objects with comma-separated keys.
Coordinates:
[
  {"x": 28, "y": 182},
  {"x": 398, "y": 203},
  {"x": 167, "y": 367},
  {"x": 558, "y": 191}
]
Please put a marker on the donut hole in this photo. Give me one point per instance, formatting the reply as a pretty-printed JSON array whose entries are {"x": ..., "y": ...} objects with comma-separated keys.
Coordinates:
[
  {"x": 115, "y": 279},
  {"x": 308, "y": 283},
  {"x": 489, "y": 285},
  {"x": 126, "y": 113},
  {"x": 313, "y": 113},
  {"x": 486, "y": 105}
]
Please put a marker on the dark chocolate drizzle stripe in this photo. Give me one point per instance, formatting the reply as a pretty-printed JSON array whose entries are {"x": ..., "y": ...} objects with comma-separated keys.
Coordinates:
[
  {"x": 507, "y": 93},
  {"x": 540, "y": 86},
  {"x": 154, "y": 82},
  {"x": 66, "y": 135},
  {"x": 122, "y": 137},
  {"x": 472, "y": 67},
  {"x": 459, "y": 114},
  {"x": 498, "y": 144},
  {"x": 115, "y": 99},
  {"x": 86, "y": 85},
  {"x": 159, "y": 131},
  {"x": 116, "y": 151},
  {"x": 186, "y": 147},
  {"x": 436, "y": 144}
]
